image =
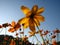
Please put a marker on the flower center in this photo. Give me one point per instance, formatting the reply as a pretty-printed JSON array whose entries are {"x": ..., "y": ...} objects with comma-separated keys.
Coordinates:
[{"x": 32, "y": 16}]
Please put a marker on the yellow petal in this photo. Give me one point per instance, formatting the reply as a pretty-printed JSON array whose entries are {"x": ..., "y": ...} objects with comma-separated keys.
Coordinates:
[
  {"x": 25, "y": 9},
  {"x": 31, "y": 33},
  {"x": 40, "y": 18},
  {"x": 28, "y": 14},
  {"x": 31, "y": 25},
  {"x": 34, "y": 8},
  {"x": 40, "y": 10},
  {"x": 39, "y": 31},
  {"x": 23, "y": 20},
  {"x": 26, "y": 25},
  {"x": 37, "y": 23}
]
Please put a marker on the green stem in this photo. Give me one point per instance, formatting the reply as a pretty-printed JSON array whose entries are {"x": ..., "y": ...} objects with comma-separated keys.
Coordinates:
[
  {"x": 41, "y": 36},
  {"x": 37, "y": 39},
  {"x": 40, "y": 33},
  {"x": 47, "y": 37},
  {"x": 32, "y": 40}
]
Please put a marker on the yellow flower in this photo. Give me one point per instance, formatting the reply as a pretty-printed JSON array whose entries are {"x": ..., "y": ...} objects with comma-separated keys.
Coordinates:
[{"x": 33, "y": 17}]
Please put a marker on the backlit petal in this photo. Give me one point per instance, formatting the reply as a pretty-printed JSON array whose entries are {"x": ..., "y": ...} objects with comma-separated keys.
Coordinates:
[
  {"x": 23, "y": 20},
  {"x": 25, "y": 9},
  {"x": 26, "y": 25},
  {"x": 40, "y": 10},
  {"x": 13, "y": 23},
  {"x": 40, "y": 18},
  {"x": 36, "y": 22},
  {"x": 31, "y": 33},
  {"x": 28, "y": 14},
  {"x": 11, "y": 30},
  {"x": 17, "y": 26},
  {"x": 39, "y": 31},
  {"x": 34, "y": 9},
  {"x": 31, "y": 25}
]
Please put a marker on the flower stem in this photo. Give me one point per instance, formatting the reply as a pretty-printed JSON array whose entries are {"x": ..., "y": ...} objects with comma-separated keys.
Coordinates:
[
  {"x": 41, "y": 36},
  {"x": 37, "y": 39}
]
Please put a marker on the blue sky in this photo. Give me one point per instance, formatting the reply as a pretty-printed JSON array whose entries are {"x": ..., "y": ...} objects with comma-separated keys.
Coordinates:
[{"x": 10, "y": 10}]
